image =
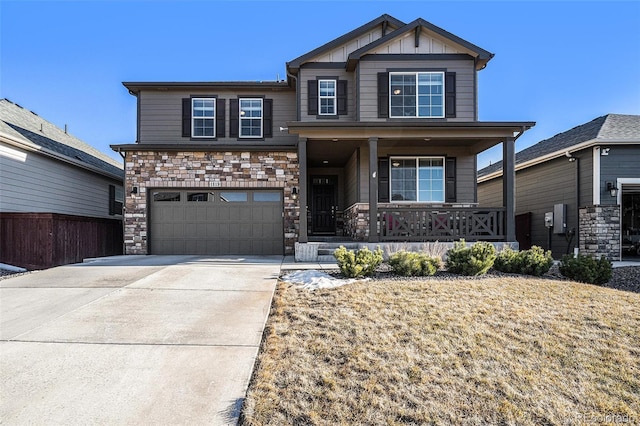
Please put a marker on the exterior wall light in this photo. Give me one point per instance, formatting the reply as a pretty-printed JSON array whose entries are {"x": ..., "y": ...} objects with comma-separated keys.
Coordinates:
[
  {"x": 613, "y": 190},
  {"x": 294, "y": 193},
  {"x": 134, "y": 190}
]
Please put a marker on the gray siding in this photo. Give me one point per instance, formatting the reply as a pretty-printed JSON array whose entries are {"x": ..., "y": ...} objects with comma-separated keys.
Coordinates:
[
  {"x": 43, "y": 185},
  {"x": 622, "y": 162},
  {"x": 351, "y": 180},
  {"x": 465, "y": 85},
  {"x": 307, "y": 74},
  {"x": 160, "y": 114},
  {"x": 538, "y": 188}
]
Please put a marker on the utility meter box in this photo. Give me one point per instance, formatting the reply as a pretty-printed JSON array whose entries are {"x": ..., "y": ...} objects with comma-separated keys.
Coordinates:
[
  {"x": 559, "y": 218},
  {"x": 548, "y": 219}
]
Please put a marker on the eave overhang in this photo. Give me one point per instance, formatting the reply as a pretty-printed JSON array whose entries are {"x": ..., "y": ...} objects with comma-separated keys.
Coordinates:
[
  {"x": 478, "y": 136},
  {"x": 135, "y": 87},
  {"x": 35, "y": 148},
  {"x": 561, "y": 153}
]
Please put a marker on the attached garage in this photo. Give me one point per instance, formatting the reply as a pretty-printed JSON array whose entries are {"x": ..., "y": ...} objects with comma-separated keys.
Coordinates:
[{"x": 216, "y": 222}]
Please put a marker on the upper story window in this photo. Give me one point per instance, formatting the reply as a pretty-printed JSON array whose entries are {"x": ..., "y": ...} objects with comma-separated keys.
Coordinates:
[
  {"x": 203, "y": 117},
  {"x": 327, "y": 97},
  {"x": 251, "y": 118},
  {"x": 416, "y": 94},
  {"x": 419, "y": 179}
]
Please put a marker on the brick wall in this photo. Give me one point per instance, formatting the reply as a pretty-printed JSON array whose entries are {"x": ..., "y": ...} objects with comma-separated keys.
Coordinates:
[
  {"x": 149, "y": 169},
  {"x": 600, "y": 231}
]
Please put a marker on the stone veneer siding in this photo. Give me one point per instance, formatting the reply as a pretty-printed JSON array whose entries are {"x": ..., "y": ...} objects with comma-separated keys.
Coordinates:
[
  {"x": 356, "y": 221},
  {"x": 231, "y": 170},
  {"x": 600, "y": 231}
]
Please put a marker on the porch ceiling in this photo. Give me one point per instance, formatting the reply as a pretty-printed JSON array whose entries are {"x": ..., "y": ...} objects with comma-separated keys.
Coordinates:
[{"x": 476, "y": 136}]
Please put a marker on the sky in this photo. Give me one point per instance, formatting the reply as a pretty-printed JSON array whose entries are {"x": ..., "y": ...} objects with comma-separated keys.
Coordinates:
[{"x": 560, "y": 64}]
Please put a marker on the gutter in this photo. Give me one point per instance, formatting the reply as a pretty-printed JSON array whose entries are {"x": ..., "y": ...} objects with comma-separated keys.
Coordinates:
[{"x": 561, "y": 153}]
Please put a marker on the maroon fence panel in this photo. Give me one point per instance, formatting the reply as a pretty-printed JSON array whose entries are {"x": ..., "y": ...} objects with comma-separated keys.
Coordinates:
[{"x": 44, "y": 240}]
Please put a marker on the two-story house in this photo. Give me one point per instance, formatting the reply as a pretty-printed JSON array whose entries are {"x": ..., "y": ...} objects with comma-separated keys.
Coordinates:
[{"x": 373, "y": 137}]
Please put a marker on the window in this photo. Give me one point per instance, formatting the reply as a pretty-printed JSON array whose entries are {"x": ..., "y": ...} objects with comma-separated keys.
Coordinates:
[
  {"x": 417, "y": 179},
  {"x": 233, "y": 197},
  {"x": 199, "y": 196},
  {"x": 327, "y": 97},
  {"x": 250, "y": 118},
  {"x": 116, "y": 199},
  {"x": 266, "y": 197},
  {"x": 417, "y": 94},
  {"x": 166, "y": 196},
  {"x": 203, "y": 117}
]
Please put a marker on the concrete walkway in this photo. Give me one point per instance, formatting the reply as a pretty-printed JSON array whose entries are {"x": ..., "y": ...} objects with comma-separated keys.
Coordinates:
[{"x": 133, "y": 340}]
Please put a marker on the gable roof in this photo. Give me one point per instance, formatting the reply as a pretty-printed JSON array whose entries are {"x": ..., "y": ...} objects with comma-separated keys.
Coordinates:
[
  {"x": 610, "y": 128},
  {"x": 482, "y": 56},
  {"x": 295, "y": 64},
  {"x": 19, "y": 125}
]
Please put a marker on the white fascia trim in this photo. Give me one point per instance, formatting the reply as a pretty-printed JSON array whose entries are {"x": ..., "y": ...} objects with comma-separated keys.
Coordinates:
[
  {"x": 596, "y": 175},
  {"x": 29, "y": 146},
  {"x": 556, "y": 154}
]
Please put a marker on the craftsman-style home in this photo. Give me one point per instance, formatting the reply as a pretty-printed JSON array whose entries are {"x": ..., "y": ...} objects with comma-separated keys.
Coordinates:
[{"x": 372, "y": 138}]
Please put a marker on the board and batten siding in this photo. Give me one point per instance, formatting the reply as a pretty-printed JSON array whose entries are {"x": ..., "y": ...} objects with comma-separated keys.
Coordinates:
[
  {"x": 314, "y": 73},
  {"x": 368, "y": 84},
  {"x": 160, "y": 114},
  {"x": 621, "y": 162},
  {"x": 43, "y": 185}
]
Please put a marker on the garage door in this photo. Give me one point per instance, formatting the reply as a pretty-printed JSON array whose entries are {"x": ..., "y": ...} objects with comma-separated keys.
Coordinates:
[{"x": 216, "y": 222}]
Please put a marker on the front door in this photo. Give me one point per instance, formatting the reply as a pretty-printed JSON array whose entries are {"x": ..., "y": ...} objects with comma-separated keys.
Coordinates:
[{"x": 323, "y": 207}]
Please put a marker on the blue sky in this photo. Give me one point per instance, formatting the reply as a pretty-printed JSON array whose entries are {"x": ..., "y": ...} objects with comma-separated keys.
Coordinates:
[{"x": 560, "y": 64}]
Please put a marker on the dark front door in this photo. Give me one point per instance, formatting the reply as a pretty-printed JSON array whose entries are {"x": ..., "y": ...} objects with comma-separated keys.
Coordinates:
[
  {"x": 323, "y": 208},
  {"x": 523, "y": 230}
]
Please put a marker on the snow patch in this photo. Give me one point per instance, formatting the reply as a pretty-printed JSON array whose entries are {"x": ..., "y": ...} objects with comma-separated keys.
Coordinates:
[{"x": 313, "y": 280}]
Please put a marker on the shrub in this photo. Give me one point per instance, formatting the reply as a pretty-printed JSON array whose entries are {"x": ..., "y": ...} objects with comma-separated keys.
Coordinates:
[
  {"x": 474, "y": 260},
  {"x": 413, "y": 264},
  {"x": 586, "y": 269},
  {"x": 361, "y": 263},
  {"x": 534, "y": 262}
]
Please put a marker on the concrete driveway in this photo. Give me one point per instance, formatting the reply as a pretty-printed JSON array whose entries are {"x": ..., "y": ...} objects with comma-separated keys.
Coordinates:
[{"x": 133, "y": 340}]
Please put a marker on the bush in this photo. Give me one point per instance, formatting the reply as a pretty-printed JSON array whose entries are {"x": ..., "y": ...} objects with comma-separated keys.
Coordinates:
[
  {"x": 534, "y": 262},
  {"x": 586, "y": 269},
  {"x": 358, "y": 264},
  {"x": 474, "y": 260},
  {"x": 413, "y": 264}
]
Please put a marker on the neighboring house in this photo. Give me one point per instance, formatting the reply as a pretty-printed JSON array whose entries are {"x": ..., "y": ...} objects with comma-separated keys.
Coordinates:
[
  {"x": 373, "y": 137},
  {"x": 590, "y": 175},
  {"x": 60, "y": 199}
]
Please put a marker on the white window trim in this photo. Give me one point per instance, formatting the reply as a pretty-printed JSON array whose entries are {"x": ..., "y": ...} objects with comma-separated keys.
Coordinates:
[
  {"x": 240, "y": 135},
  {"x": 416, "y": 73},
  {"x": 193, "y": 118},
  {"x": 417, "y": 160},
  {"x": 334, "y": 97}
]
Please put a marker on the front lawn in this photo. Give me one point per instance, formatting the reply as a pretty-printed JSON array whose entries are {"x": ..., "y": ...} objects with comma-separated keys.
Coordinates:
[{"x": 496, "y": 350}]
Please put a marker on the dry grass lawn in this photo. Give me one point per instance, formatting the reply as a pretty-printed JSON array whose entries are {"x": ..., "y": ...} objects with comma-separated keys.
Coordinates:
[{"x": 496, "y": 350}]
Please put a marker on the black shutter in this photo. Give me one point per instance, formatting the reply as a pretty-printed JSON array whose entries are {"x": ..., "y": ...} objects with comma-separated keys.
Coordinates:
[
  {"x": 112, "y": 200},
  {"x": 342, "y": 97},
  {"x": 312, "y": 97},
  {"x": 234, "y": 118},
  {"x": 450, "y": 94},
  {"x": 186, "y": 117},
  {"x": 220, "y": 124},
  {"x": 383, "y": 95},
  {"x": 450, "y": 180},
  {"x": 267, "y": 118},
  {"x": 383, "y": 180}
]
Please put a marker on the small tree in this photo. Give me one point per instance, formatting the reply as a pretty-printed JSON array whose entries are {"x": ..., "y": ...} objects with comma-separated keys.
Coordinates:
[
  {"x": 474, "y": 260},
  {"x": 362, "y": 263}
]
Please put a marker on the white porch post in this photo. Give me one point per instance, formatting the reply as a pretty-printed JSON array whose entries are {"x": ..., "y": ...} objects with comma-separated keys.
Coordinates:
[
  {"x": 509, "y": 187},
  {"x": 373, "y": 190}
]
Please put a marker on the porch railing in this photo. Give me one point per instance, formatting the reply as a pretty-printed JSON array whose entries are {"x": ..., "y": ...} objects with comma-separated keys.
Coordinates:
[{"x": 445, "y": 224}]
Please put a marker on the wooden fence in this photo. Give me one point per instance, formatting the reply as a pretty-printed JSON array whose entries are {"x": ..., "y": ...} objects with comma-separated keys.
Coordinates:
[{"x": 44, "y": 240}]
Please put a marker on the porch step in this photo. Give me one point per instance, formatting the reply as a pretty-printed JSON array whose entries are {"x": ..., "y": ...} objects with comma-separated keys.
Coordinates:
[
  {"x": 326, "y": 259},
  {"x": 327, "y": 249}
]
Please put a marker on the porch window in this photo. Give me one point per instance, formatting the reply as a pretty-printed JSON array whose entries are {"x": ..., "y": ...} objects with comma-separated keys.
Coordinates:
[
  {"x": 327, "y": 97},
  {"x": 203, "y": 117},
  {"x": 250, "y": 118},
  {"x": 418, "y": 179},
  {"x": 417, "y": 94}
]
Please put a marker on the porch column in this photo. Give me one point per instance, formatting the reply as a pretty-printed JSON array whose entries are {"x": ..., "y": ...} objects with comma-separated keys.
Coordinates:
[
  {"x": 373, "y": 190},
  {"x": 509, "y": 187},
  {"x": 302, "y": 191}
]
